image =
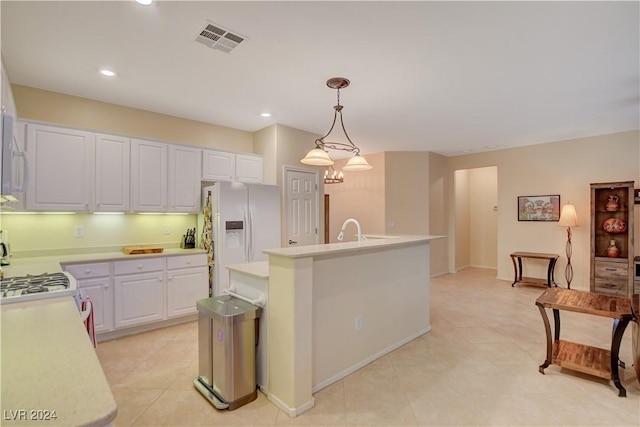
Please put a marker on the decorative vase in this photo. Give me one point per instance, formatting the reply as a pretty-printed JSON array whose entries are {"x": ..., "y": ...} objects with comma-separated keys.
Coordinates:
[
  {"x": 613, "y": 202},
  {"x": 612, "y": 250}
]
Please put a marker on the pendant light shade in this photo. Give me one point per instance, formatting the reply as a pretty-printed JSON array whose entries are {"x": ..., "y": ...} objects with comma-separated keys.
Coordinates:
[
  {"x": 357, "y": 163},
  {"x": 319, "y": 156}
]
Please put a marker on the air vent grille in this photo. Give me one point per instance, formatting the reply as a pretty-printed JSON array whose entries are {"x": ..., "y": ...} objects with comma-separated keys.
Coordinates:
[{"x": 216, "y": 37}]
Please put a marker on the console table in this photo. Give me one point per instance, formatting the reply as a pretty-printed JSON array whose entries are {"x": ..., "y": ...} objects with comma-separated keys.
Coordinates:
[
  {"x": 551, "y": 258},
  {"x": 579, "y": 357}
]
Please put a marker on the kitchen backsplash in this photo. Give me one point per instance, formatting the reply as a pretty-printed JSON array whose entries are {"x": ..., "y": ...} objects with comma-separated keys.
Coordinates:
[{"x": 40, "y": 234}]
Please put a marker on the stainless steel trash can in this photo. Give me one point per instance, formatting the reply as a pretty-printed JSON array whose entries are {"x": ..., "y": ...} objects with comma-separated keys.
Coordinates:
[{"x": 227, "y": 340}]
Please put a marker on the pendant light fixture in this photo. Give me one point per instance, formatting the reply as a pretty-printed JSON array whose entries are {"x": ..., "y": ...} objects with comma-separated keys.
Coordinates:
[{"x": 319, "y": 155}]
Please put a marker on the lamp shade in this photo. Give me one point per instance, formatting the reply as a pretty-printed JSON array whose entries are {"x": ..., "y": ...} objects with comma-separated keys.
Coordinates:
[
  {"x": 568, "y": 217},
  {"x": 317, "y": 157},
  {"x": 357, "y": 163}
]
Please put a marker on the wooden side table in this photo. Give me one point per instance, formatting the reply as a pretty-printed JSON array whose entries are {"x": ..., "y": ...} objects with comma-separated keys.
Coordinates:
[
  {"x": 600, "y": 362},
  {"x": 551, "y": 258}
]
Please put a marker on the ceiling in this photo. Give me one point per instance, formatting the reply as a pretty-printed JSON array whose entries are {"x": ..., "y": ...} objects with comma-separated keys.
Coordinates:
[{"x": 447, "y": 77}]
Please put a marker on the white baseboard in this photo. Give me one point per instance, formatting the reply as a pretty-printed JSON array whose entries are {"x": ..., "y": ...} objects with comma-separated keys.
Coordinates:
[{"x": 292, "y": 412}]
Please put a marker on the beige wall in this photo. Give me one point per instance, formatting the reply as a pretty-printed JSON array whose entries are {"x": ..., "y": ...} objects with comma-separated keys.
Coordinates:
[
  {"x": 360, "y": 196},
  {"x": 439, "y": 213},
  {"x": 566, "y": 168},
  {"x": 73, "y": 111}
]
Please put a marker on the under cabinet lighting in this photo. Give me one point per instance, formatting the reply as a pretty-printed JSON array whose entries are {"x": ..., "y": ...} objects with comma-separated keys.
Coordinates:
[
  {"x": 144, "y": 2},
  {"x": 108, "y": 213}
]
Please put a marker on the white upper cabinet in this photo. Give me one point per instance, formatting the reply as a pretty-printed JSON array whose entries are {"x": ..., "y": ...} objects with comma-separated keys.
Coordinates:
[
  {"x": 148, "y": 176},
  {"x": 248, "y": 168},
  {"x": 218, "y": 166},
  {"x": 112, "y": 173},
  {"x": 61, "y": 168},
  {"x": 184, "y": 179},
  {"x": 223, "y": 166}
]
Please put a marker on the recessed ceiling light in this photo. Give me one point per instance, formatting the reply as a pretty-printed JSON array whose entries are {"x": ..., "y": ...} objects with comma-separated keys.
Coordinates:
[
  {"x": 265, "y": 114},
  {"x": 144, "y": 2},
  {"x": 107, "y": 73}
]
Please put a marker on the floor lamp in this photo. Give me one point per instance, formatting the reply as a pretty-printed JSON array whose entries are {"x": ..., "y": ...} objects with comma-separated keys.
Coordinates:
[{"x": 568, "y": 218}]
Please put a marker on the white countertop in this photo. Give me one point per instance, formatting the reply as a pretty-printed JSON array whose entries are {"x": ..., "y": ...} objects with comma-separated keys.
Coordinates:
[
  {"x": 259, "y": 269},
  {"x": 49, "y": 364},
  {"x": 343, "y": 247},
  {"x": 53, "y": 263}
]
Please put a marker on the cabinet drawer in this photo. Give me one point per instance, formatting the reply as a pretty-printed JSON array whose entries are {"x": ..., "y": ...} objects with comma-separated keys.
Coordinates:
[
  {"x": 611, "y": 286},
  {"x": 612, "y": 270},
  {"x": 138, "y": 266},
  {"x": 186, "y": 261},
  {"x": 85, "y": 271}
]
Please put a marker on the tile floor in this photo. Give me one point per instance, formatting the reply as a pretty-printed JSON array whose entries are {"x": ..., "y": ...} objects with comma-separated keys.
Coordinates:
[{"x": 477, "y": 367}]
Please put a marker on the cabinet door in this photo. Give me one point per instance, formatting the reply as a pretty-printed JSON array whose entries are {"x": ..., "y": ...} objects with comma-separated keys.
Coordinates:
[
  {"x": 112, "y": 173},
  {"x": 139, "y": 298},
  {"x": 101, "y": 293},
  {"x": 184, "y": 179},
  {"x": 61, "y": 168},
  {"x": 218, "y": 166},
  {"x": 184, "y": 288},
  {"x": 148, "y": 176},
  {"x": 248, "y": 168}
]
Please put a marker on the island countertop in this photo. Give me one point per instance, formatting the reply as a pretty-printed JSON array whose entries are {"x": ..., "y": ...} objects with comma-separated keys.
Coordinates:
[
  {"x": 50, "y": 372},
  {"x": 341, "y": 247}
]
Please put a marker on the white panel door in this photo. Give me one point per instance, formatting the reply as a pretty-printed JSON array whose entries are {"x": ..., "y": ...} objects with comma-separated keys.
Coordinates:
[
  {"x": 148, "y": 176},
  {"x": 218, "y": 166},
  {"x": 139, "y": 298},
  {"x": 61, "y": 168},
  {"x": 302, "y": 208},
  {"x": 184, "y": 288},
  {"x": 112, "y": 173},
  {"x": 184, "y": 179},
  {"x": 248, "y": 169},
  {"x": 101, "y": 294}
]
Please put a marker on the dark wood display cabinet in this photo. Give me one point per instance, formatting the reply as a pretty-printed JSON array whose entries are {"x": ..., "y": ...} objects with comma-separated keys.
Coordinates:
[{"x": 612, "y": 269}]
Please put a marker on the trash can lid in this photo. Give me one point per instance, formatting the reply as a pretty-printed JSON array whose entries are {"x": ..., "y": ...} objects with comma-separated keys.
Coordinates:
[{"x": 229, "y": 308}]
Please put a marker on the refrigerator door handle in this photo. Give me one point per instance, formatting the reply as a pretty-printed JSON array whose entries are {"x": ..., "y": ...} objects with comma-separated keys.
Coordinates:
[
  {"x": 250, "y": 236},
  {"x": 247, "y": 232}
]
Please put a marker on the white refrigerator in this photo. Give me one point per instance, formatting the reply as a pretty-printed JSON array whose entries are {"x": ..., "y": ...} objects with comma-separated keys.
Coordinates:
[{"x": 239, "y": 221}]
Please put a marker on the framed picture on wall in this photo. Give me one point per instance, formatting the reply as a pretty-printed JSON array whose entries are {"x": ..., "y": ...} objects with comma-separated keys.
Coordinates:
[{"x": 539, "y": 208}]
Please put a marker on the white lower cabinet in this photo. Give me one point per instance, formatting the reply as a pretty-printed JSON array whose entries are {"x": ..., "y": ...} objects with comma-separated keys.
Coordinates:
[
  {"x": 94, "y": 280},
  {"x": 100, "y": 291},
  {"x": 142, "y": 291},
  {"x": 187, "y": 282},
  {"x": 139, "y": 287}
]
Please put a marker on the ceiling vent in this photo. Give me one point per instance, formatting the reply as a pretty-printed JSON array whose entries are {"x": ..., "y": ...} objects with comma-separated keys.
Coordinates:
[{"x": 216, "y": 37}]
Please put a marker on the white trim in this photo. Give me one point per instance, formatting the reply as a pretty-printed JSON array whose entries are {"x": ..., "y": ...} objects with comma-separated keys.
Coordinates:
[{"x": 292, "y": 412}]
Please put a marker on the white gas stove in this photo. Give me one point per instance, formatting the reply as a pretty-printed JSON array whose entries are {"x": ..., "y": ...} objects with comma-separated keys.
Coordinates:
[{"x": 35, "y": 287}]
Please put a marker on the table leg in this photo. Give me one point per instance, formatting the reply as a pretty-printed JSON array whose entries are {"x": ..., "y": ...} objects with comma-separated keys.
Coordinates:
[
  {"x": 515, "y": 271},
  {"x": 547, "y": 329},
  {"x": 556, "y": 324},
  {"x": 619, "y": 326},
  {"x": 551, "y": 280}
]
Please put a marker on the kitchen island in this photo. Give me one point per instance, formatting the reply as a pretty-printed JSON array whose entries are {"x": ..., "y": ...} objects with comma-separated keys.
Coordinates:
[{"x": 334, "y": 308}]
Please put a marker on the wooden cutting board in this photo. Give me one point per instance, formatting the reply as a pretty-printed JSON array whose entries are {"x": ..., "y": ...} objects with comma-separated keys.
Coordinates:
[{"x": 135, "y": 250}]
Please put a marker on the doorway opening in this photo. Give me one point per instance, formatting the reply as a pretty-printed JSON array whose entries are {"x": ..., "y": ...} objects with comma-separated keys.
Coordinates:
[{"x": 476, "y": 218}]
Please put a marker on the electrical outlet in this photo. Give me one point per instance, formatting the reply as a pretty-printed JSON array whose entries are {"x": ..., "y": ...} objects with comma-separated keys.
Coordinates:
[
  {"x": 166, "y": 229},
  {"x": 79, "y": 231},
  {"x": 359, "y": 322}
]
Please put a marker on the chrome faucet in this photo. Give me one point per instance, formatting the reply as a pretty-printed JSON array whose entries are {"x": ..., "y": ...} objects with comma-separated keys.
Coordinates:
[{"x": 350, "y": 220}]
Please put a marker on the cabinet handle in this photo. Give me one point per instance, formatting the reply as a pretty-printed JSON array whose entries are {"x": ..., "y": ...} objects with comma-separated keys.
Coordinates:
[
  {"x": 169, "y": 278},
  {"x": 188, "y": 262},
  {"x": 106, "y": 286},
  {"x": 611, "y": 269},
  {"x": 159, "y": 279},
  {"x": 87, "y": 271},
  {"x": 139, "y": 266}
]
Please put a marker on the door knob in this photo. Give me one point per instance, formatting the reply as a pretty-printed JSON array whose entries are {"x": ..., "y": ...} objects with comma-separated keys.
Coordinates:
[{"x": 291, "y": 242}]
